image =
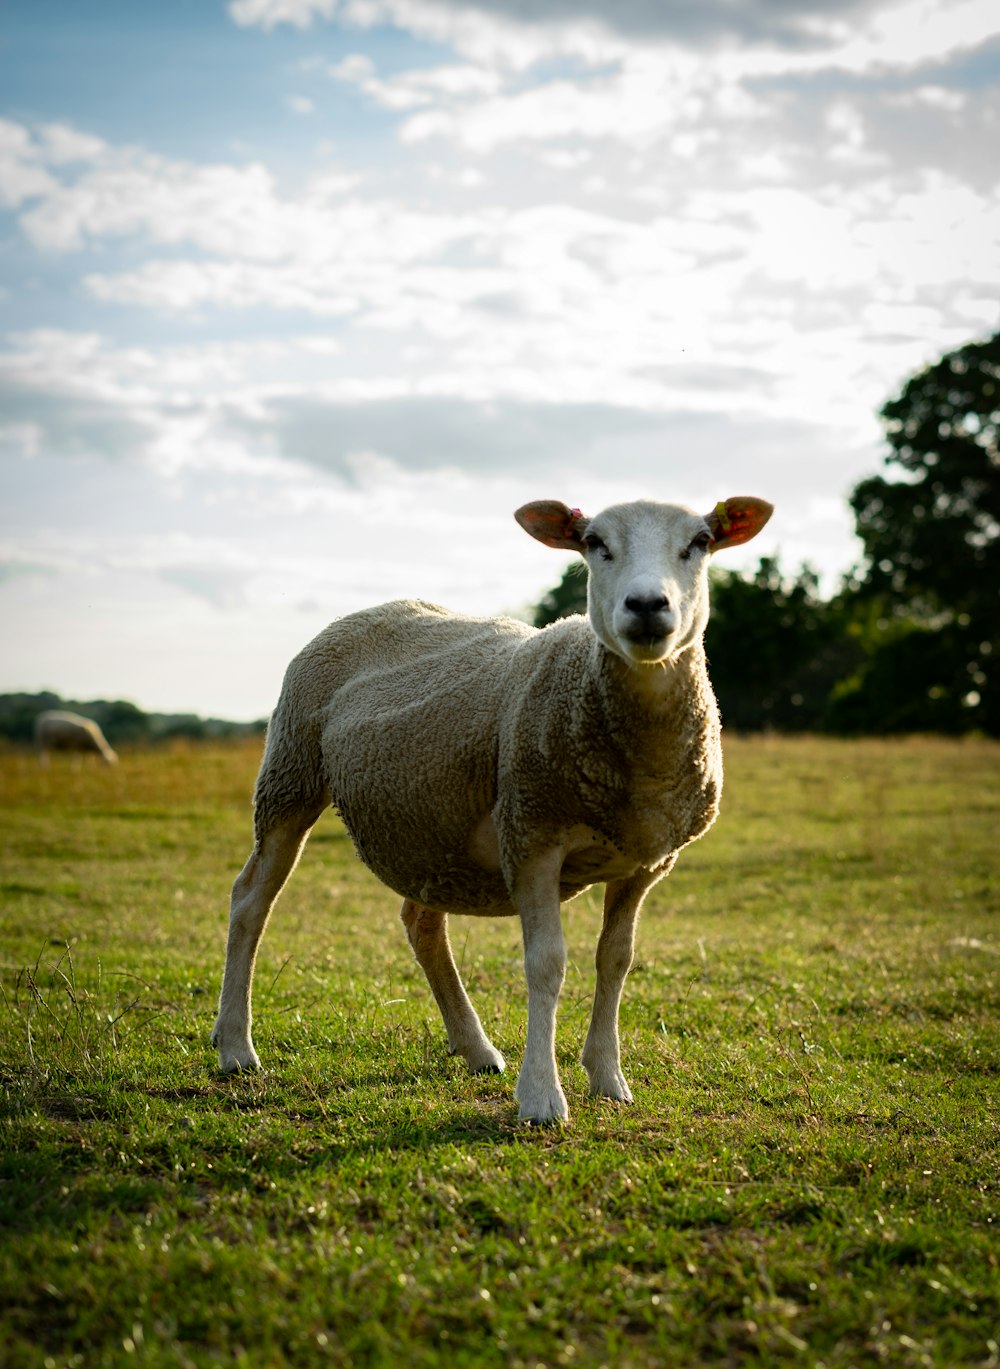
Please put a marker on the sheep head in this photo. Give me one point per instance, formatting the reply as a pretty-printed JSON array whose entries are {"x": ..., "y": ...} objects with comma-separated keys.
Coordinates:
[{"x": 647, "y": 593}]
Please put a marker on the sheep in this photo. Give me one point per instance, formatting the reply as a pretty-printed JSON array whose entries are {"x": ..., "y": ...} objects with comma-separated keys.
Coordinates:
[
  {"x": 485, "y": 767},
  {"x": 57, "y": 730}
]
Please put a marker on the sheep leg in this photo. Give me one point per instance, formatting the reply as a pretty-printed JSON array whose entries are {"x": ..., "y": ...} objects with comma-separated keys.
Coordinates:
[
  {"x": 427, "y": 931},
  {"x": 539, "y": 1093},
  {"x": 257, "y": 886},
  {"x": 601, "y": 1056}
]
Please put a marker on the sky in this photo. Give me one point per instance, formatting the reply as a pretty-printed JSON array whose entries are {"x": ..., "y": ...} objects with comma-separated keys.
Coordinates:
[{"x": 300, "y": 299}]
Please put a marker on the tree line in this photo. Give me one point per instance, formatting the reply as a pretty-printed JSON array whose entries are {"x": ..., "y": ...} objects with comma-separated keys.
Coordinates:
[
  {"x": 910, "y": 640},
  {"x": 119, "y": 720}
]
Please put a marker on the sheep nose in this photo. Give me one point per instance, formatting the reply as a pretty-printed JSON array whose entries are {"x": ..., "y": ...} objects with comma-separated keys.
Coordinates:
[
  {"x": 647, "y": 608},
  {"x": 649, "y": 617}
]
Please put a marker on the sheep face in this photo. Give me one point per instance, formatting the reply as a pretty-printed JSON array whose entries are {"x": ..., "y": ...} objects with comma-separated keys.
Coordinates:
[{"x": 647, "y": 593}]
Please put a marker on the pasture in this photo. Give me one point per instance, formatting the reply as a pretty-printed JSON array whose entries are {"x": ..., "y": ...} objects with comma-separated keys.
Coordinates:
[{"x": 810, "y": 1173}]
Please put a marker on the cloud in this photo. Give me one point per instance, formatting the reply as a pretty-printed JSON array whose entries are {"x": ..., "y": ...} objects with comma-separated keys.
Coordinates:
[
  {"x": 221, "y": 208},
  {"x": 70, "y": 424},
  {"x": 275, "y": 463},
  {"x": 77, "y": 397},
  {"x": 415, "y": 88},
  {"x": 711, "y": 20},
  {"x": 269, "y": 13},
  {"x": 559, "y": 303},
  {"x": 224, "y": 588},
  {"x": 643, "y": 257},
  {"x": 745, "y": 275},
  {"x": 791, "y": 25},
  {"x": 62, "y": 144},
  {"x": 22, "y": 176},
  {"x": 635, "y": 104},
  {"x": 229, "y": 411},
  {"x": 762, "y": 113},
  {"x": 442, "y": 433},
  {"x": 15, "y": 568},
  {"x": 853, "y": 35}
]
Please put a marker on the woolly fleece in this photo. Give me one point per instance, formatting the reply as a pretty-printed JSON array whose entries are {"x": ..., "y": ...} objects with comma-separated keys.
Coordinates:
[{"x": 417, "y": 723}]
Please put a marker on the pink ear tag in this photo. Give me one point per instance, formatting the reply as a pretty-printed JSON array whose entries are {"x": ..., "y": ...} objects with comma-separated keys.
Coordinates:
[
  {"x": 574, "y": 514},
  {"x": 722, "y": 514}
]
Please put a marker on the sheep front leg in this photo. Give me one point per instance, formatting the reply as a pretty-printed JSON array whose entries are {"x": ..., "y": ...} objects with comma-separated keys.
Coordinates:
[
  {"x": 257, "y": 886},
  {"x": 539, "y": 1092},
  {"x": 427, "y": 931},
  {"x": 601, "y": 1056}
]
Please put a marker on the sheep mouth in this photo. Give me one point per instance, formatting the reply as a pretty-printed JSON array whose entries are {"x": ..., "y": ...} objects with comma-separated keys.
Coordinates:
[
  {"x": 646, "y": 646},
  {"x": 648, "y": 632}
]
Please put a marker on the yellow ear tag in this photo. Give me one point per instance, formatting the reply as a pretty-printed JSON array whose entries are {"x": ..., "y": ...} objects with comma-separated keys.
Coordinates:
[{"x": 723, "y": 516}]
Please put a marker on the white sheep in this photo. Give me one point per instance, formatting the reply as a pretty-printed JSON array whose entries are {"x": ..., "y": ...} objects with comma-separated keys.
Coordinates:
[
  {"x": 57, "y": 730},
  {"x": 485, "y": 767}
]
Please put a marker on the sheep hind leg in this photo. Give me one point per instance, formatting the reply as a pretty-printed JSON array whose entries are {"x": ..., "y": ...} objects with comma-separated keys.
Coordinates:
[
  {"x": 601, "y": 1056},
  {"x": 427, "y": 930},
  {"x": 257, "y": 886}
]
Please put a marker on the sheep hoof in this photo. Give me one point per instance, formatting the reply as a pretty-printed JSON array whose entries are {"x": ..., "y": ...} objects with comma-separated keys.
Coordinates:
[
  {"x": 615, "y": 1091},
  {"x": 232, "y": 1065},
  {"x": 490, "y": 1062},
  {"x": 238, "y": 1060},
  {"x": 548, "y": 1106},
  {"x": 481, "y": 1059}
]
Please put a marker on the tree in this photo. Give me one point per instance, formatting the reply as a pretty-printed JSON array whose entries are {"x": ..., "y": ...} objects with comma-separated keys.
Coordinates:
[
  {"x": 122, "y": 721},
  {"x": 564, "y": 599},
  {"x": 932, "y": 545},
  {"x": 775, "y": 648}
]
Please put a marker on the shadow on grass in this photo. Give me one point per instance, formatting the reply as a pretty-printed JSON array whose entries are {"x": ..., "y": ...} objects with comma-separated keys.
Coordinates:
[
  {"x": 71, "y": 1146},
  {"x": 208, "y": 1147}
]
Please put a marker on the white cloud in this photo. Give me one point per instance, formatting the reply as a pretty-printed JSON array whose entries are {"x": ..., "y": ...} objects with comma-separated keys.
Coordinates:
[
  {"x": 61, "y": 144},
  {"x": 758, "y": 37},
  {"x": 556, "y": 299},
  {"x": 414, "y": 88},
  {"x": 546, "y": 298},
  {"x": 22, "y": 177},
  {"x": 220, "y": 208},
  {"x": 913, "y": 32},
  {"x": 269, "y": 13},
  {"x": 932, "y": 97},
  {"x": 24, "y": 440}
]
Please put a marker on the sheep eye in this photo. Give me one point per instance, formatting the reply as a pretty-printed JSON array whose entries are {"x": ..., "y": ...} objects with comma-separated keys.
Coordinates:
[
  {"x": 594, "y": 543},
  {"x": 699, "y": 543}
]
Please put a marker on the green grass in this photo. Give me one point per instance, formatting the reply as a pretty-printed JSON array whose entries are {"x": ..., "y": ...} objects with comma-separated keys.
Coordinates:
[{"x": 809, "y": 1174}]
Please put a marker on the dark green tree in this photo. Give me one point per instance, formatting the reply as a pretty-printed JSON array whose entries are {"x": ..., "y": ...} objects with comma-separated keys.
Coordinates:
[
  {"x": 19, "y": 711},
  {"x": 932, "y": 546},
  {"x": 120, "y": 720},
  {"x": 775, "y": 648},
  {"x": 564, "y": 599}
]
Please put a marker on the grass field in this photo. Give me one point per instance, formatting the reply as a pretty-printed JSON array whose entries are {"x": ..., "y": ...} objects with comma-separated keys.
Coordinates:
[{"x": 810, "y": 1173}]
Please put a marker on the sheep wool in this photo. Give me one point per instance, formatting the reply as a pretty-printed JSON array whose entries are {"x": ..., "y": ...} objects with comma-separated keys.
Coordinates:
[{"x": 427, "y": 720}]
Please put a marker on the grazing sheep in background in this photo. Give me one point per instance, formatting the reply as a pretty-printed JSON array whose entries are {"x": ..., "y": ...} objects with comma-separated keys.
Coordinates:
[
  {"x": 485, "y": 767},
  {"x": 60, "y": 731}
]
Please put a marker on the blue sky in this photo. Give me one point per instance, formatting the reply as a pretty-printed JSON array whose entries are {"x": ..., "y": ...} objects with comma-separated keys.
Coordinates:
[{"x": 299, "y": 299}]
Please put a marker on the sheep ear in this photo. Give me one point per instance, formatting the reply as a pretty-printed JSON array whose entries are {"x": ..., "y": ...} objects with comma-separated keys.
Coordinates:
[
  {"x": 554, "y": 523},
  {"x": 736, "y": 520}
]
